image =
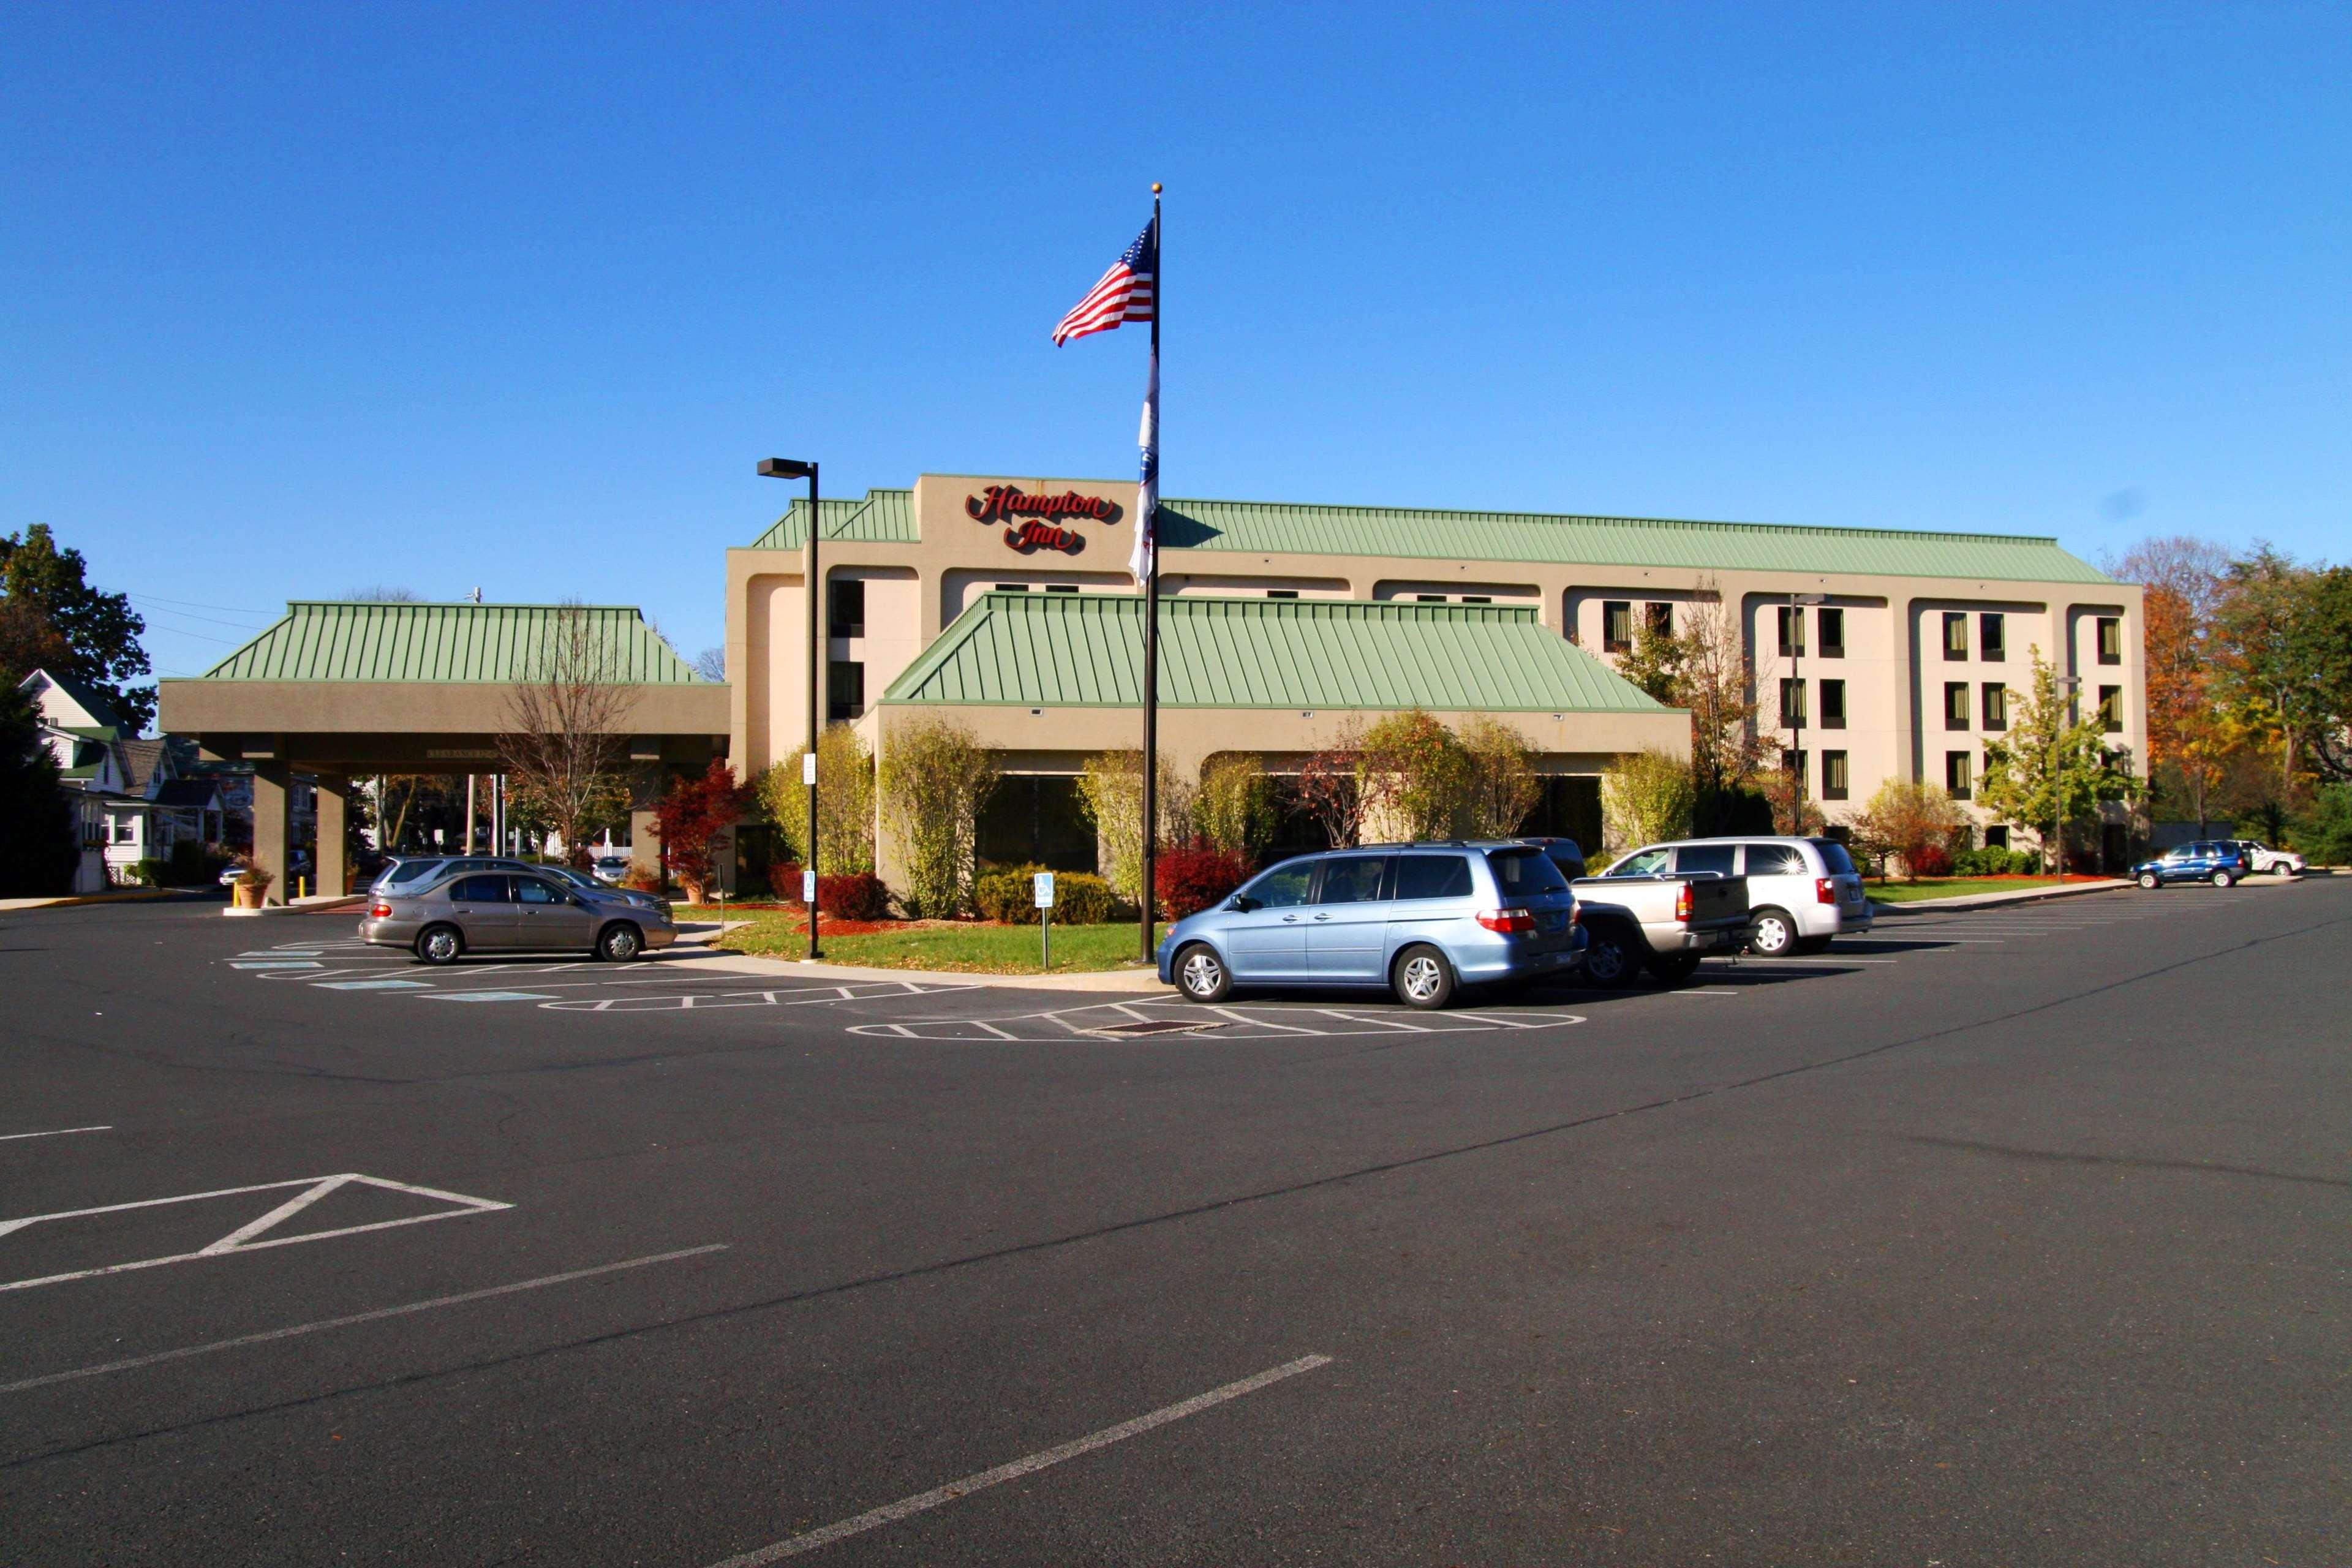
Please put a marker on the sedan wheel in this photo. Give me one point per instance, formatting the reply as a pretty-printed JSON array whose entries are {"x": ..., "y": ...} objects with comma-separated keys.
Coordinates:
[
  {"x": 2150, "y": 879},
  {"x": 1422, "y": 978},
  {"x": 619, "y": 945},
  {"x": 440, "y": 944},
  {"x": 1202, "y": 976}
]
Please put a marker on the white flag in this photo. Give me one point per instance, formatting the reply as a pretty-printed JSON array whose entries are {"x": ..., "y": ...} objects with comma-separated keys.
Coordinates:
[{"x": 1146, "y": 501}]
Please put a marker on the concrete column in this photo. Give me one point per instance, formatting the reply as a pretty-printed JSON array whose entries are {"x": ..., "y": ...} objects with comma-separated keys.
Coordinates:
[
  {"x": 273, "y": 784},
  {"x": 333, "y": 797}
]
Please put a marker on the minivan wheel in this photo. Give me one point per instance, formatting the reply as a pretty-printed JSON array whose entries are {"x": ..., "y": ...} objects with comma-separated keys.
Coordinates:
[
  {"x": 1422, "y": 978},
  {"x": 2223, "y": 879},
  {"x": 1771, "y": 935},
  {"x": 1610, "y": 962},
  {"x": 619, "y": 942},
  {"x": 1201, "y": 976},
  {"x": 2151, "y": 880},
  {"x": 440, "y": 944}
]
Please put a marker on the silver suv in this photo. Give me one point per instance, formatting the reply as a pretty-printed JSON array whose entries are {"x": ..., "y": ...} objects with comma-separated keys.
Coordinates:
[{"x": 1802, "y": 893}]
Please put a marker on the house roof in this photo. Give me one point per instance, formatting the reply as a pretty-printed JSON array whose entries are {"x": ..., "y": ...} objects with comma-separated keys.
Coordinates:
[
  {"x": 1275, "y": 528},
  {"x": 884, "y": 516},
  {"x": 187, "y": 793},
  {"x": 1267, "y": 528},
  {"x": 365, "y": 640},
  {"x": 141, "y": 761},
  {"x": 1087, "y": 650},
  {"x": 88, "y": 699}
]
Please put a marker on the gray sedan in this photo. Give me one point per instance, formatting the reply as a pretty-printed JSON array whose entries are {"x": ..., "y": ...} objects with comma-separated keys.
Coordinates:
[{"x": 500, "y": 911}]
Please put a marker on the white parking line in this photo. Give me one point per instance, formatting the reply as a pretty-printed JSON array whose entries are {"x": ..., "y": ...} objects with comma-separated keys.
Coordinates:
[
  {"x": 241, "y": 1239},
  {"x": 904, "y": 1508},
  {"x": 130, "y": 1363},
  {"x": 54, "y": 1133}
]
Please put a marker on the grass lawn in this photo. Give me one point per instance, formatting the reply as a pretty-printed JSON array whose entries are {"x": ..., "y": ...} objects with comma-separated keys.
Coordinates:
[
  {"x": 1959, "y": 886},
  {"x": 968, "y": 945}
]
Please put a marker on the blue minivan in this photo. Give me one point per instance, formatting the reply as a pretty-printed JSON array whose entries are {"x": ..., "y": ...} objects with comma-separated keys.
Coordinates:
[{"x": 1416, "y": 920}]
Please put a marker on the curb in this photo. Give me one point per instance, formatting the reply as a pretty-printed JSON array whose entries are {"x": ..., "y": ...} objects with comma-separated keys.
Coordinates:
[
  {"x": 79, "y": 900},
  {"x": 1995, "y": 900},
  {"x": 311, "y": 906}
]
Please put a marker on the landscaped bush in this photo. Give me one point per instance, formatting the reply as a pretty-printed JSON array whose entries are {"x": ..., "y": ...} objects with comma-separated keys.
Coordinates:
[
  {"x": 1190, "y": 881},
  {"x": 935, "y": 778},
  {"x": 1928, "y": 860},
  {"x": 1009, "y": 893},
  {"x": 151, "y": 872},
  {"x": 1994, "y": 861},
  {"x": 853, "y": 896}
]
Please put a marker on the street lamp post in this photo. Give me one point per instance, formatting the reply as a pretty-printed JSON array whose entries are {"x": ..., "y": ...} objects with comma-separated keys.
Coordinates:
[
  {"x": 788, "y": 469},
  {"x": 1797, "y": 720},
  {"x": 2067, "y": 686}
]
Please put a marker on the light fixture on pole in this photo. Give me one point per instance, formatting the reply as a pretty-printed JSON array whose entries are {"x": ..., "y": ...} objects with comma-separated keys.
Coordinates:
[
  {"x": 2067, "y": 685},
  {"x": 1796, "y": 718},
  {"x": 788, "y": 469}
]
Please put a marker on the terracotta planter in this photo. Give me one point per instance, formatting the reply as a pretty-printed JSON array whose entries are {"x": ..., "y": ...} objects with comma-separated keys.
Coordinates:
[{"x": 245, "y": 896}]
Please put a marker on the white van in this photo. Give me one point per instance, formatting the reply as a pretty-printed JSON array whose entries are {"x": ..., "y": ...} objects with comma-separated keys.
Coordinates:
[{"x": 1802, "y": 893}]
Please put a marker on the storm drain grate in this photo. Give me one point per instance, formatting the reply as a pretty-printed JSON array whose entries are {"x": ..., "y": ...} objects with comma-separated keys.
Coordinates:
[{"x": 1161, "y": 1027}]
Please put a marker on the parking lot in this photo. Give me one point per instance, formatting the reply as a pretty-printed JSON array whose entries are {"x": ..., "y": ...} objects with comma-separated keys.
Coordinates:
[{"x": 2001, "y": 1236}]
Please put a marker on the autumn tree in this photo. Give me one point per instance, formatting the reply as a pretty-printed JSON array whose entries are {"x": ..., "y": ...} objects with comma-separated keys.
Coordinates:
[
  {"x": 1329, "y": 788},
  {"x": 1502, "y": 786},
  {"x": 2190, "y": 737},
  {"x": 99, "y": 631},
  {"x": 696, "y": 816},
  {"x": 1414, "y": 774},
  {"x": 2051, "y": 769},
  {"x": 1902, "y": 821},
  {"x": 1718, "y": 684}
]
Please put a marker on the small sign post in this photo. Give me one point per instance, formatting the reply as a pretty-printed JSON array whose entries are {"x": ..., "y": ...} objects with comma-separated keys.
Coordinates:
[{"x": 1044, "y": 895}]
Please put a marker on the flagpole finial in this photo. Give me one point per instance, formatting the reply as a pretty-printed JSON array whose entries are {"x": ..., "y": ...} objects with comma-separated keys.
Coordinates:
[{"x": 1155, "y": 187}]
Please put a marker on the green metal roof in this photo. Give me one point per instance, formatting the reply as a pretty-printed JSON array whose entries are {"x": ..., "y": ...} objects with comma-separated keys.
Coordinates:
[
  {"x": 884, "y": 517},
  {"x": 1275, "y": 528},
  {"x": 364, "y": 640},
  {"x": 1086, "y": 650}
]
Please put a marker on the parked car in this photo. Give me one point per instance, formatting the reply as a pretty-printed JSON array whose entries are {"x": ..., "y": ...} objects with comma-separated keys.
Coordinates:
[
  {"x": 612, "y": 867},
  {"x": 505, "y": 912},
  {"x": 1645, "y": 917},
  {"x": 2266, "y": 860},
  {"x": 410, "y": 873},
  {"x": 1802, "y": 893},
  {"x": 1565, "y": 854},
  {"x": 1421, "y": 919},
  {"x": 2220, "y": 861}
]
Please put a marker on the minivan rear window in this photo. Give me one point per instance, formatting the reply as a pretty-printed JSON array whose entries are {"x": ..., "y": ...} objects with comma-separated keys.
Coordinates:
[
  {"x": 1518, "y": 872},
  {"x": 1700, "y": 859},
  {"x": 1833, "y": 857},
  {"x": 1432, "y": 876}
]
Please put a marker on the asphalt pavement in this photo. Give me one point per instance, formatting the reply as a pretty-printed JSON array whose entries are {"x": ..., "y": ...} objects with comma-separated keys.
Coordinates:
[{"x": 2014, "y": 1236}]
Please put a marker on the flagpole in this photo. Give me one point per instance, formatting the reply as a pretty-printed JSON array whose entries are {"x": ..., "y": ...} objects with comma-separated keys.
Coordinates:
[{"x": 1151, "y": 610}]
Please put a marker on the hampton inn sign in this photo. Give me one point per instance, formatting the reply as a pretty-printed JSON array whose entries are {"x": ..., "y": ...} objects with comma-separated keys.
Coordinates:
[{"x": 1033, "y": 522}]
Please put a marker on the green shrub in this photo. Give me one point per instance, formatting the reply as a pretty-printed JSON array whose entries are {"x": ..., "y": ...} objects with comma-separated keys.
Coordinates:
[
  {"x": 1008, "y": 893},
  {"x": 2324, "y": 834},
  {"x": 934, "y": 779},
  {"x": 1646, "y": 796},
  {"x": 1416, "y": 777},
  {"x": 1233, "y": 808},
  {"x": 152, "y": 872},
  {"x": 1994, "y": 861},
  {"x": 844, "y": 801}
]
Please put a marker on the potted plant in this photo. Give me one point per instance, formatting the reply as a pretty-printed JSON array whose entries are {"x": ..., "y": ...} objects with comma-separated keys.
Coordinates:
[{"x": 252, "y": 885}]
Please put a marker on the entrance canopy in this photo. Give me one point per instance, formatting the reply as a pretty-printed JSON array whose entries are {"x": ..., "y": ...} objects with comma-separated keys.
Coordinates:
[{"x": 338, "y": 687}]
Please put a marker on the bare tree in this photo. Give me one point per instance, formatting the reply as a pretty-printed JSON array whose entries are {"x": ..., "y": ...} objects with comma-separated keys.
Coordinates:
[
  {"x": 1718, "y": 683},
  {"x": 566, "y": 727},
  {"x": 380, "y": 594},
  {"x": 711, "y": 664}
]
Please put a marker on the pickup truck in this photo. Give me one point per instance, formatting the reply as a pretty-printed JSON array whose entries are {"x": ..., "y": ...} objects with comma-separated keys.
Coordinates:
[{"x": 1664, "y": 924}]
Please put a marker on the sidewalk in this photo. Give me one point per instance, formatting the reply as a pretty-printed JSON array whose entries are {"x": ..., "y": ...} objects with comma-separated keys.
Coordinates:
[
  {"x": 1991, "y": 901},
  {"x": 128, "y": 896}
]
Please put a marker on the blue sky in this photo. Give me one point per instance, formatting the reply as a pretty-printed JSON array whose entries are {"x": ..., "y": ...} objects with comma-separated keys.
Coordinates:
[{"x": 298, "y": 300}]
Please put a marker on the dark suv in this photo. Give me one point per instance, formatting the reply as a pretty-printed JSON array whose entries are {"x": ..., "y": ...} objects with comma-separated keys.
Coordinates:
[{"x": 2220, "y": 861}]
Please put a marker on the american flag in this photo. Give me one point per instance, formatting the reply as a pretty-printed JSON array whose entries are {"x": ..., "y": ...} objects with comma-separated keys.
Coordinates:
[{"x": 1123, "y": 294}]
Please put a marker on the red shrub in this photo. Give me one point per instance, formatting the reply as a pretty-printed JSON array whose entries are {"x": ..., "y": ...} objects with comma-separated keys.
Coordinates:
[
  {"x": 1930, "y": 860},
  {"x": 1187, "y": 881},
  {"x": 851, "y": 896}
]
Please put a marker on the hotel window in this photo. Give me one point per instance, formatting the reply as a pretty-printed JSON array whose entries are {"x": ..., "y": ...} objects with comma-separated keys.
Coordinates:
[
  {"x": 1956, "y": 635},
  {"x": 1991, "y": 636},
  {"x": 1997, "y": 838},
  {"x": 2111, "y": 709},
  {"x": 1832, "y": 633},
  {"x": 1061, "y": 588},
  {"x": 1959, "y": 774},
  {"x": 1996, "y": 705},
  {"x": 1833, "y": 781},
  {"x": 1616, "y": 626},
  {"x": 1467, "y": 599},
  {"x": 1793, "y": 629},
  {"x": 2111, "y": 639},
  {"x": 1271, "y": 593},
  {"x": 1418, "y": 599},
  {"x": 1956, "y": 705},
  {"x": 1021, "y": 588},
  {"x": 845, "y": 691},
  {"x": 1832, "y": 704},
  {"x": 1794, "y": 762},
  {"x": 1661, "y": 620},
  {"x": 1792, "y": 703},
  {"x": 846, "y": 609}
]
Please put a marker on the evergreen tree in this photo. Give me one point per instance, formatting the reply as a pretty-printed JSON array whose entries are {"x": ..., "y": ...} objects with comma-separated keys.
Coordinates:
[{"x": 37, "y": 823}]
